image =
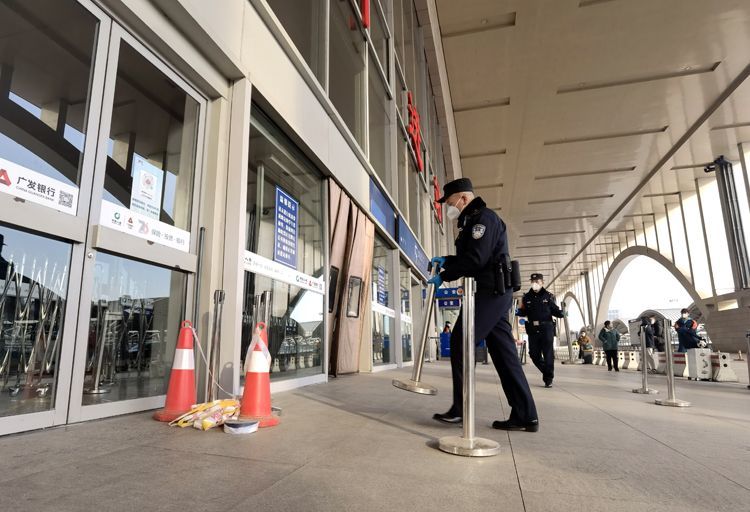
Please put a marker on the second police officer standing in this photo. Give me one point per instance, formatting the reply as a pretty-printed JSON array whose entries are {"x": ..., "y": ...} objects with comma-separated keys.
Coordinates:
[
  {"x": 481, "y": 248},
  {"x": 539, "y": 306}
]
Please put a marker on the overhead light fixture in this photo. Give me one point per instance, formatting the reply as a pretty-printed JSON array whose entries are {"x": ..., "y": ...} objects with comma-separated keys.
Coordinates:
[
  {"x": 572, "y": 199},
  {"x": 543, "y": 246},
  {"x": 576, "y": 217},
  {"x": 583, "y": 173},
  {"x": 553, "y": 234},
  {"x": 662, "y": 194},
  {"x": 689, "y": 166},
  {"x": 540, "y": 255},
  {"x": 483, "y": 153},
  {"x": 606, "y": 136},
  {"x": 683, "y": 71}
]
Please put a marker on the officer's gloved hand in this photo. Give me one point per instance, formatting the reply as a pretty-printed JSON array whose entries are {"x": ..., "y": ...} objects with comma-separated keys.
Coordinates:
[
  {"x": 436, "y": 280},
  {"x": 437, "y": 263}
]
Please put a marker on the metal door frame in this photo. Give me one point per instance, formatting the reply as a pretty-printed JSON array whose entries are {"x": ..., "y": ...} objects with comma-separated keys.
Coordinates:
[
  {"x": 121, "y": 244},
  {"x": 72, "y": 229}
]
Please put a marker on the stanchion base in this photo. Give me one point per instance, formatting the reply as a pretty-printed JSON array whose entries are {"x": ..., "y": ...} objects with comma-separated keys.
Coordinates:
[
  {"x": 575, "y": 361},
  {"x": 92, "y": 391},
  {"x": 476, "y": 447},
  {"x": 415, "y": 387},
  {"x": 672, "y": 403},
  {"x": 647, "y": 391}
]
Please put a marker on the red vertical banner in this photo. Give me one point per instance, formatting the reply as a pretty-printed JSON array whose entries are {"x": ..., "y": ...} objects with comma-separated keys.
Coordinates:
[
  {"x": 415, "y": 132},
  {"x": 364, "y": 6},
  {"x": 436, "y": 195}
]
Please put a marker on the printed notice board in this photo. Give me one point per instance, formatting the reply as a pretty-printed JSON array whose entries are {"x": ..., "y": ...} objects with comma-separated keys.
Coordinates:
[{"x": 285, "y": 231}]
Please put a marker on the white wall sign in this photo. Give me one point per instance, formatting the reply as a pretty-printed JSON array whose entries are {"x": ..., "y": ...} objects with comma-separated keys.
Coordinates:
[
  {"x": 269, "y": 268},
  {"x": 35, "y": 187},
  {"x": 125, "y": 220},
  {"x": 379, "y": 308},
  {"x": 148, "y": 183}
]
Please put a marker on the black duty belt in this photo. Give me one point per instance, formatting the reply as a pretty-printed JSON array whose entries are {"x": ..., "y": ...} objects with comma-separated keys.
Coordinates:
[{"x": 536, "y": 323}]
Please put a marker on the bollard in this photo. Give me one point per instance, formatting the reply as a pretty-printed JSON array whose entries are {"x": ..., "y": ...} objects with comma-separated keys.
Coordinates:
[
  {"x": 680, "y": 364},
  {"x": 671, "y": 400},
  {"x": 721, "y": 368},
  {"x": 571, "y": 359},
  {"x": 624, "y": 360},
  {"x": 644, "y": 389},
  {"x": 468, "y": 445},
  {"x": 414, "y": 385},
  {"x": 699, "y": 364}
]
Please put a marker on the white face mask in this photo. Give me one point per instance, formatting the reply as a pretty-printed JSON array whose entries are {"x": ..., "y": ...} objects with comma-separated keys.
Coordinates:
[
  {"x": 452, "y": 212},
  {"x": 536, "y": 286},
  {"x": 685, "y": 315}
]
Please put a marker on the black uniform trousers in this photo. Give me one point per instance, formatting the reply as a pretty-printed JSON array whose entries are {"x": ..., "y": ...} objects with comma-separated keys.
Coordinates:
[
  {"x": 491, "y": 324},
  {"x": 541, "y": 351}
]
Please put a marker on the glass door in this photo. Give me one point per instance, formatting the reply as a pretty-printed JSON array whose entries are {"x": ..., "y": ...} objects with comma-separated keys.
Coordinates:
[
  {"x": 141, "y": 246},
  {"x": 52, "y": 65}
]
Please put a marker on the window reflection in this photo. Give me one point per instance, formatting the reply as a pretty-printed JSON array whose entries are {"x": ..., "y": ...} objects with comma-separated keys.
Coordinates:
[
  {"x": 33, "y": 291},
  {"x": 136, "y": 310},
  {"x": 46, "y": 52},
  {"x": 294, "y": 315},
  {"x": 152, "y": 141}
]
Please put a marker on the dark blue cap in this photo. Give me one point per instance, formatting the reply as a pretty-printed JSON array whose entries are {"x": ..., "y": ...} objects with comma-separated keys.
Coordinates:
[{"x": 452, "y": 187}]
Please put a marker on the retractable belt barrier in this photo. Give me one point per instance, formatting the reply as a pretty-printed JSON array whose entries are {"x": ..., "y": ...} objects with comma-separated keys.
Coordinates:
[
  {"x": 671, "y": 400},
  {"x": 468, "y": 445},
  {"x": 414, "y": 384},
  {"x": 644, "y": 389}
]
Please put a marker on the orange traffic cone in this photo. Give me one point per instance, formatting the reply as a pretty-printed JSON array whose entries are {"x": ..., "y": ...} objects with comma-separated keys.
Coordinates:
[
  {"x": 181, "y": 393},
  {"x": 256, "y": 399}
]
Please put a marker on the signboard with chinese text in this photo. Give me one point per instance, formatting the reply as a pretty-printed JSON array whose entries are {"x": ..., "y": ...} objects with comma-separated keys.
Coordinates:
[
  {"x": 285, "y": 229},
  {"x": 122, "y": 219},
  {"x": 148, "y": 184},
  {"x": 449, "y": 303},
  {"x": 415, "y": 131},
  {"x": 381, "y": 209},
  {"x": 437, "y": 195},
  {"x": 259, "y": 265},
  {"x": 38, "y": 188},
  {"x": 382, "y": 295},
  {"x": 411, "y": 248}
]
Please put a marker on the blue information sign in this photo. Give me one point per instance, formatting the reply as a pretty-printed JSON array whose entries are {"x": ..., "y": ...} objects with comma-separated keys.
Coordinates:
[
  {"x": 445, "y": 293},
  {"x": 382, "y": 290},
  {"x": 449, "y": 303},
  {"x": 285, "y": 231},
  {"x": 381, "y": 209},
  {"x": 411, "y": 247}
]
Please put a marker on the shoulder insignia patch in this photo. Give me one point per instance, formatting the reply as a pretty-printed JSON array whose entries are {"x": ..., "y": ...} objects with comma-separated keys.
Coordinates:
[{"x": 477, "y": 231}]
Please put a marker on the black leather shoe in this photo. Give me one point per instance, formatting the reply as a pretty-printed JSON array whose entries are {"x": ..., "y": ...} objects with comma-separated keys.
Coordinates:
[
  {"x": 547, "y": 383},
  {"x": 531, "y": 426},
  {"x": 447, "y": 417}
]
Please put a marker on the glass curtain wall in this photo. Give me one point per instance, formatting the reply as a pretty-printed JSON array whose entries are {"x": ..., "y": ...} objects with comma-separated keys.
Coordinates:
[
  {"x": 382, "y": 314},
  {"x": 305, "y": 23},
  {"x": 285, "y": 244},
  {"x": 46, "y": 65},
  {"x": 406, "y": 312}
]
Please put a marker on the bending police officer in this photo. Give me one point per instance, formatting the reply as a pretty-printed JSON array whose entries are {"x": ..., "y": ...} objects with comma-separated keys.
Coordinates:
[
  {"x": 539, "y": 306},
  {"x": 481, "y": 245}
]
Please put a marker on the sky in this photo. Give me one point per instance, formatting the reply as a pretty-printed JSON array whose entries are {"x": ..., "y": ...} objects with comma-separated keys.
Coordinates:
[{"x": 643, "y": 284}]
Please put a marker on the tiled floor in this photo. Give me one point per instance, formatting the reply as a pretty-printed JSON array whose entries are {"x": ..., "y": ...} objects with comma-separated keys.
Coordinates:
[{"x": 358, "y": 443}]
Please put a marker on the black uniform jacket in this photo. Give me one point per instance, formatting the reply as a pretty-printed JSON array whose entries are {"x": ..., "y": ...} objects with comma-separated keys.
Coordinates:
[
  {"x": 482, "y": 239},
  {"x": 539, "y": 306}
]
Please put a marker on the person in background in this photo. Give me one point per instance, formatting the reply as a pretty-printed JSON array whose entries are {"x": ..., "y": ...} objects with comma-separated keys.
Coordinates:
[
  {"x": 586, "y": 348},
  {"x": 447, "y": 328},
  {"x": 687, "y": 332},
  {"x": 538, "y": 306},
  {"x": 583, "y": 340},
  {"x": 658, "y": 334},
  {"x": 610, "y": 338},
  {"x": 648, "y": 336}
]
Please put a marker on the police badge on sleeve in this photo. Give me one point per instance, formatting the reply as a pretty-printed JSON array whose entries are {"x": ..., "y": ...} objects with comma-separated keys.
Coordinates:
[{"x": 477, "y": 231}]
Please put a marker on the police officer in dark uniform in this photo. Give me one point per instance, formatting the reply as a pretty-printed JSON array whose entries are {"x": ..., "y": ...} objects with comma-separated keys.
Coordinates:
[
  {"x": 539, "y": 306},
  {"x": 481, "y": 244}
]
